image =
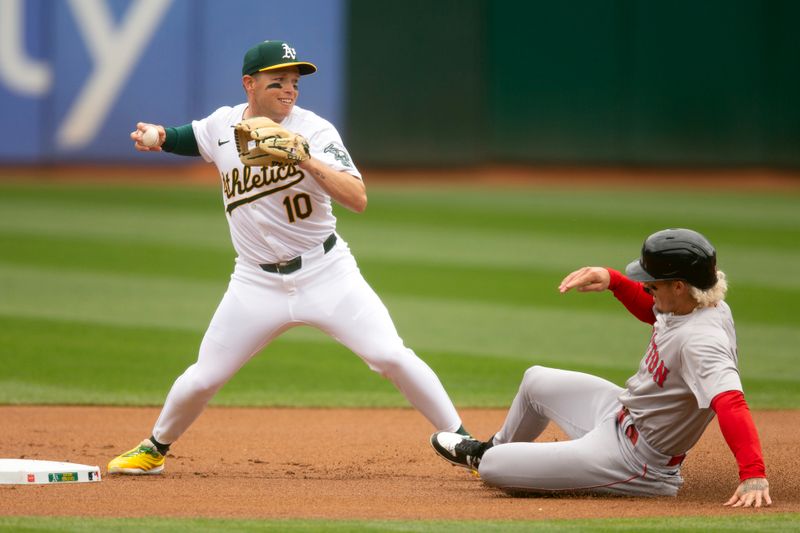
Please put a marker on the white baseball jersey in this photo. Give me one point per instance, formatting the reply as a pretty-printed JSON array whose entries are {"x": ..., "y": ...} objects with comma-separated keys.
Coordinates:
[
  {"x": 691, "y": 359},
  {"x": 275, "y": 213}
]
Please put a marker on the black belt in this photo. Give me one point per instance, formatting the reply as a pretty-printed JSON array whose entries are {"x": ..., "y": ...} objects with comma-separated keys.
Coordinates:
[{"x": 293, "y": 265}]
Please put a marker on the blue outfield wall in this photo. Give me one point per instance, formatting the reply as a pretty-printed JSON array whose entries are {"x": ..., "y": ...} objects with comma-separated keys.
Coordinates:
[{"x": 76, "y": 76}]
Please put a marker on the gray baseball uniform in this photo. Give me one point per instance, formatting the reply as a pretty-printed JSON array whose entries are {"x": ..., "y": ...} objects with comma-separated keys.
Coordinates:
[{"x": 627, "y": 441}]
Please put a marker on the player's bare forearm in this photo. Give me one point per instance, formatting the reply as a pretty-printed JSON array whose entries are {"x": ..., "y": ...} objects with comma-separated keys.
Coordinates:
[
  {"x": 753, "y": 492},
  {"x": 345, "y": 188}
]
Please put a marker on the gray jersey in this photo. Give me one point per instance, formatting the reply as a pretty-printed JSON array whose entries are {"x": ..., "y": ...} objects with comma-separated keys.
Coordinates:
[{"x": 690, "y": 359}]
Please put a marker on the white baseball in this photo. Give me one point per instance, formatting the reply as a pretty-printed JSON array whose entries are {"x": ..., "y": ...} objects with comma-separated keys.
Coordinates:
[{"x": 150, "y": 136}]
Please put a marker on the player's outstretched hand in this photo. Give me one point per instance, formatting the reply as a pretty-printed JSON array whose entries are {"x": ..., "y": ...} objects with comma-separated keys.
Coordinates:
[
  {"x": 586, "y": 279},
  {"x": 149, "y": 143},
  {"x": 751, "y": 492}
]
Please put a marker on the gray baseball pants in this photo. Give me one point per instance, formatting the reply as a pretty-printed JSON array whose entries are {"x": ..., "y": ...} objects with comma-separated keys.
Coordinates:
[{"x": 600, "y": 458}]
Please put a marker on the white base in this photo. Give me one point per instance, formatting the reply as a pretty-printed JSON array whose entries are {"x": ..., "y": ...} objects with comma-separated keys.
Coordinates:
[{"x": 30, "y": 472}]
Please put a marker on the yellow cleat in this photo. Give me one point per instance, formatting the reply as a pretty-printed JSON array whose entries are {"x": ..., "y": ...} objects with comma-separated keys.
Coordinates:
[{"x": 144, "y": 459}]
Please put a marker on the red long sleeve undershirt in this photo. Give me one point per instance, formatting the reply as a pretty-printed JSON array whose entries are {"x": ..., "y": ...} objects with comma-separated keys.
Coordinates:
[
  {"x": 734, "y": 417},
  {"x": 740, "y": 433},
  {"x": 633, "y": 296}
]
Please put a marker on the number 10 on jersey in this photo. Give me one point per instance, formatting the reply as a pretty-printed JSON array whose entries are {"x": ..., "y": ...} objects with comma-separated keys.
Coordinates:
[{"x": 297, "y": 206}]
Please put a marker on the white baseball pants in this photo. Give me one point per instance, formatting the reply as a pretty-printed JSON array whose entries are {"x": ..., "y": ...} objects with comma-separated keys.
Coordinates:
[
  {"x": 329, "y": 293},
  {"x": 600, "y": 458}
]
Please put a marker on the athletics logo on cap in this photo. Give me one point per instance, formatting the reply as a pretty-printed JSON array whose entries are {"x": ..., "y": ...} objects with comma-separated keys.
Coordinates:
[
  {"x": 272, "y": 55},
  {"x": 288, "y": 52}
]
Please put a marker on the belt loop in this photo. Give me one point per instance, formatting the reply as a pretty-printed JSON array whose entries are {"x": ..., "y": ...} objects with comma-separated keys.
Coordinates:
[
  {"x": 329, "y": 243},
  {"x": 632, "y": 434}
]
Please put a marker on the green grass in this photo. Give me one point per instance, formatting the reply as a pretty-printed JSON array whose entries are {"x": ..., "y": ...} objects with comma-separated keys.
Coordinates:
[
  {"x": 745, "y": 520},
  {"x": 96, "y": 281}
]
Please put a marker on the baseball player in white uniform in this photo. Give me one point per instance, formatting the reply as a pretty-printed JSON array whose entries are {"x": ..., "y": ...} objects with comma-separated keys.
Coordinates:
[
  {"x": 632, "y": 440},
  {"x": 292, "y": 267}
]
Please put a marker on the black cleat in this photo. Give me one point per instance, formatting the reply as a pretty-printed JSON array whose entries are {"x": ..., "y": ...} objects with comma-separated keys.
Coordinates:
[{"x": 458, "y": 449}]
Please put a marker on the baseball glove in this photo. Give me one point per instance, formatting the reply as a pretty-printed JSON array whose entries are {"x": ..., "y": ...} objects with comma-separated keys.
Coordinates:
[{"x": 262, "y": 142}]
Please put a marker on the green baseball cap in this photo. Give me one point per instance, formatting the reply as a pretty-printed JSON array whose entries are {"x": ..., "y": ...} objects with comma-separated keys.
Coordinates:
[{"x": 271, "y": 55}]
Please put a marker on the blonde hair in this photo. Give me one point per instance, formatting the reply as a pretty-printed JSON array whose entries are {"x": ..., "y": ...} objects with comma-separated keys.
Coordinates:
[{"x": 712, "y": 296}]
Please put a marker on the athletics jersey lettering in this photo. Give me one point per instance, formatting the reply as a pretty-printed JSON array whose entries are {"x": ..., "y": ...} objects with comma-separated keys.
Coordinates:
[
  {"x": 263, "y": 231},
  {"x": 236, "y": 184},
  {"x": 655, "y": 365}
]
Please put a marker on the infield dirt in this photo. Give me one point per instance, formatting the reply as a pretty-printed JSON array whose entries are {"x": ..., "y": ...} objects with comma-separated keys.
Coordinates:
[{"x": 337, "y": 464}]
